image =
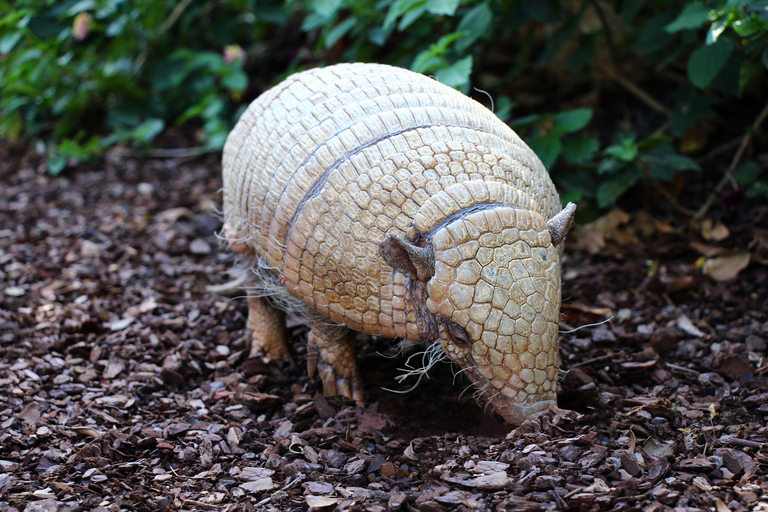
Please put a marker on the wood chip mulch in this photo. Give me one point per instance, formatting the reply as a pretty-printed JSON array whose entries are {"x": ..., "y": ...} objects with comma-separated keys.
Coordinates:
[{"x": 125, "y": 384}]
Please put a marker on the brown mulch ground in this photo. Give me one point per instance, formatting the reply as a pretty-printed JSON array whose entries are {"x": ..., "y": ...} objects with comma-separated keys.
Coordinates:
[{"x": 124, "y": 385}]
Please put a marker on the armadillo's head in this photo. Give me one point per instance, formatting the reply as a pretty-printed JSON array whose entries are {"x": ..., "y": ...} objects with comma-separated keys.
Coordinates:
[{"x": 492, "y": 276}]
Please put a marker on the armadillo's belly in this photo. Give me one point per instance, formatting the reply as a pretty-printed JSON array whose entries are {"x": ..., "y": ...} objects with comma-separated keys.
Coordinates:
[{"x": 324, "y": 166}]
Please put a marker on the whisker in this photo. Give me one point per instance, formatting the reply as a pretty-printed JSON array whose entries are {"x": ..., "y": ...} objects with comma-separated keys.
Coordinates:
[
  {"x": 587, "y": 325},
  {"x": 430, "y": 356}
]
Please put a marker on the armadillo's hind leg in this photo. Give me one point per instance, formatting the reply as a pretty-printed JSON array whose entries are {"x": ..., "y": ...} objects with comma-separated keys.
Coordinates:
[
  {"x": 333, "y": 354},
  {"x": 267, "y": 325}
]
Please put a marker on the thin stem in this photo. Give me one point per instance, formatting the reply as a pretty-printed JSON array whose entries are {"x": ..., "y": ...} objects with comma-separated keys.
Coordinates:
[
  {"x": 728, "y": 177},
  {"x": 165, "y": 152},
  {"x": 634, "y": 89},
  {"x": 664, "y": 191},
  {"x": 607, "y": 29}
]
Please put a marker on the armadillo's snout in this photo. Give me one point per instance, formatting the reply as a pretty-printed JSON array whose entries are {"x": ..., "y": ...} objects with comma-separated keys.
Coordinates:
[{"x": 496, "y": 291}]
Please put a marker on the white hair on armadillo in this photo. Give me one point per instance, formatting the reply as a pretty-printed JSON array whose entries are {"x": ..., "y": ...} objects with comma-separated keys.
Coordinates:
[
  {"x": 430, "y": 356},
  {"x": 265, "y": 283}
]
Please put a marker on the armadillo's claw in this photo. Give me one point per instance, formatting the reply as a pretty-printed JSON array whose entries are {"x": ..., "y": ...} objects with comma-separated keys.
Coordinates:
[
  {"x": 335, "y": 360},
  {"x": 338, "y": 385},
  {"x": 313, "y": 359},
  {"x": 267, "y": 325}
]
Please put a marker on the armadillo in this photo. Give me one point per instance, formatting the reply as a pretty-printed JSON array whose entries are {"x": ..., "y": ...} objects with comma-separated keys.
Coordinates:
[{"x": 374, "y": 199}]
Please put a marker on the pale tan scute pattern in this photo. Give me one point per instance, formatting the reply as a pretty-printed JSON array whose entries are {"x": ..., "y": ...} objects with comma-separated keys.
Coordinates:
[
  {"x": 331, "y": 163},
  {"x": 375, "y": 142},
  {"x": 466, "y": 195}
]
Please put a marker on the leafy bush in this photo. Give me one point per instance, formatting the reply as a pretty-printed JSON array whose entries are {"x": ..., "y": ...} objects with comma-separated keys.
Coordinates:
[
  {"x": 85, "y": 74},
  {"x": 82, "y": 75},
  {"x": 722, "y": 45}
]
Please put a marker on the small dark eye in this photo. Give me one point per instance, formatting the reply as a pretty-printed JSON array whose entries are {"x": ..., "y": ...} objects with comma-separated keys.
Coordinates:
[{"x": 457, "y": 333}]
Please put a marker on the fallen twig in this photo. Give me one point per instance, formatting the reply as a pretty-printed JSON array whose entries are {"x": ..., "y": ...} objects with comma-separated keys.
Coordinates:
[{"x": 164, "y": 152}]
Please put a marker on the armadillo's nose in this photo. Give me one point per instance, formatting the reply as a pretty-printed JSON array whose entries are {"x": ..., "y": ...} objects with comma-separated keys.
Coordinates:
[{"x": 516, "y": 413}]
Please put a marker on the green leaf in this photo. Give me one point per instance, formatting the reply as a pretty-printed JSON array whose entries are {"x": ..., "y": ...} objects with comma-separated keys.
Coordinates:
[
  {"x": 576, "y": 180},
  {"x": 629, "y": 9},
  {"x": 475, "y": 24},
  {"x": 442, "y": 7},
  {"x": 457, "y": 74},
  {"x": 760, "y": 188},
  {"x": 548, "y": 149},
  {"x": 652, "y": 37},
  {"x": 313, "y": 21},
  {"x": 717, "y": 28},
  {"x": 749, "y": 70},
  {"x": 72, "y": 149},
  {"x": 503, "y": 108},
  {"x": 681, "y": 163},
  {"x": 8, "y": 41},
  {"x": 626, "y": 151},
  {"x": 748, "y": 26},
  {"x": 693, "y": 15},
  {"x": 747, "y": 173},
  {"x": 610, "y": 166},
  {"x": 573, "y": 120},
  {"x": 610, "y": 190},
  {"x": 426, "y": 62},
  {"x": 432, "y": 58},
  {"x": 117, "y": 26},
  {"x": 572, "y": 196},
  {"x": 410, "y": 17},
  {"x": 759, "y": 7},
  {"x": 235, "y": 80},
  {"x": 580, "y": 149},
  {"x": 56, "y": 163},
  {"x": 707, "y": 61},
  {"x": 326, "y": 9},
  {"x": 666, "y": 167},
  {"x": 83, "y": 5},
  {"x": 401, "y": 7},
  {"x": 522, "y": 123},
  {"x": 147, "y": 130},
  {"x": 45, "y": 26},
  {"x": 339, "y": 31}
]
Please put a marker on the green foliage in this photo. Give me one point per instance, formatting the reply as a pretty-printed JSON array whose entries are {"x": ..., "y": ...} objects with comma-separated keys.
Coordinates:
[
  {"x": 86, "y": 74},
  {"x": 627, "y": 161},
  {"x": 82, "y": 75},
  {"x": 553, "y": 139}
]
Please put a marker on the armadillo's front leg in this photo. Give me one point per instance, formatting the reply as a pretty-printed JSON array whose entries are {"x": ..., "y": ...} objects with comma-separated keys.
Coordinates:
[
  {"x": 333, "y": 353},
  {"x": 267, "y": 325}
]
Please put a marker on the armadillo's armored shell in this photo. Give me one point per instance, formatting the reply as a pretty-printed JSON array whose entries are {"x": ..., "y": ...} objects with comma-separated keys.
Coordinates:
[{"x": 324, "y": 166}]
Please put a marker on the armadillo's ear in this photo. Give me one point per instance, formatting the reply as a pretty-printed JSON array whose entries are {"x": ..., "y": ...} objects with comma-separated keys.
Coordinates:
[
  {"x": 560, "y": 224},
  {"x": 403, "y": 256}
]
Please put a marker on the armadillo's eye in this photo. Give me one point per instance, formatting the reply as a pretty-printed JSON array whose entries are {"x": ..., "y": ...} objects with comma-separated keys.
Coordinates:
[{"x": 457, "y": 333}]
